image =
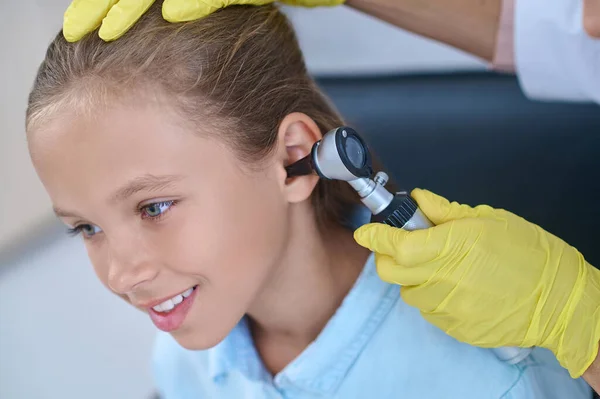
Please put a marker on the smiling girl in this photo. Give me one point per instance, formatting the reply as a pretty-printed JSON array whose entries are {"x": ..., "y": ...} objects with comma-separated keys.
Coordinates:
[{"x": 166, "y": 151}]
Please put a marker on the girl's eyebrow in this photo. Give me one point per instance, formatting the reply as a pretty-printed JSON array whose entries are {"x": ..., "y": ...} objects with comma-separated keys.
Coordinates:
[
  {"x": 64, "y": 214},
  {"x": 147, "y": 182}
]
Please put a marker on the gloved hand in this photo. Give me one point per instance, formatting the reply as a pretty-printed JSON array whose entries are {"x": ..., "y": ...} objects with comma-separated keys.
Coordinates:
[
  {"x": 115, "y": 17},
  {"x": 490, "y": 278}
]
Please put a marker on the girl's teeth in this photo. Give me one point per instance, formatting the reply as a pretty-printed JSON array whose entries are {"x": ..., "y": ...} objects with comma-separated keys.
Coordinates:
[
  {"x": 177, "y": 300},
  {"x": 169, "y": 304}
]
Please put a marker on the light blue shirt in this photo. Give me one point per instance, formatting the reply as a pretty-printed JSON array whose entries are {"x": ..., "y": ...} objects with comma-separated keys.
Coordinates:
[{"x": 375, "y": 346}]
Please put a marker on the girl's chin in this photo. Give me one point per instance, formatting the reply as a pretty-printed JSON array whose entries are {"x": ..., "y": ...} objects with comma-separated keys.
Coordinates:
[{"x": 195, "y": 338}]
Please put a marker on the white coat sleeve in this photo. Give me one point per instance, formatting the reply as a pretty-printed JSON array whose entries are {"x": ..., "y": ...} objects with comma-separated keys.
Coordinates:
[{"x": 555, "y": 58}]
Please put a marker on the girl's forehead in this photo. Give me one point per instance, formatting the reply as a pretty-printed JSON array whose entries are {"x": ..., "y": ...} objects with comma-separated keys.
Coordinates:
[
  {"x": 132, "y": 141},
  {"x": 108, "y": 129}
]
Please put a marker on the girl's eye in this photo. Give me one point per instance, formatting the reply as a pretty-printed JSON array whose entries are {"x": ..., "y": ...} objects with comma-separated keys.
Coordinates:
[
  {"x": 157, "y": 209},
  {"x": 87, "y": 230}
]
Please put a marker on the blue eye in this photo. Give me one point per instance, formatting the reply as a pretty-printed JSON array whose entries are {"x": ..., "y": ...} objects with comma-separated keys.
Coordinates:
[
  {"x": 157, "y": 209},
  {"x": 87, "y": 230}
]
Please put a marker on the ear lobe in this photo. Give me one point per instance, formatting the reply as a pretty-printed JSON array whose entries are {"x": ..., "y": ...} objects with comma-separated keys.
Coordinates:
[{"x": 297, "y": 135}]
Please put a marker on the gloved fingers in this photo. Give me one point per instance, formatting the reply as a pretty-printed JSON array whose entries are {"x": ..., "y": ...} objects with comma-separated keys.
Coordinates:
[
  {"x": 417, "y": 297},
  {"x": 432, "y": 292},
  {"x": 121, "y": 17},
  {"x": 313, "y": 3},
  {"x": 408, "y": 248},
  {"x": 439, "y": 210},
  {"x": 83, "y": 17},
  {"x": 392, "y": 272},
  {"x": 190, "y": 10},
  {"x": 481, "y": 334}
]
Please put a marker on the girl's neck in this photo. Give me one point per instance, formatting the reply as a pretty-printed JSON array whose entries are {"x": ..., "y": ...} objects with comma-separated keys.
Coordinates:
[{"x": 308, "y": 286}]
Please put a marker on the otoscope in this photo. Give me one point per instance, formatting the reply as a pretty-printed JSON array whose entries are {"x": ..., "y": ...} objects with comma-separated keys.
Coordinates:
[{"x": 343, "y": 155}]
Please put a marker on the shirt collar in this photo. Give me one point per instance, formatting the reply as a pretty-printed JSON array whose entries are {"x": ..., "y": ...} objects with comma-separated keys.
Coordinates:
[
  {"x": 322, "y": 366},
  {"x": 236, "y": 352}
]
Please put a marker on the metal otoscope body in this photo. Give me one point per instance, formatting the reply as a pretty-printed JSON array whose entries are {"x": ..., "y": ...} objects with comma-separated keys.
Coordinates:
[{"x": 343, "y": 155}]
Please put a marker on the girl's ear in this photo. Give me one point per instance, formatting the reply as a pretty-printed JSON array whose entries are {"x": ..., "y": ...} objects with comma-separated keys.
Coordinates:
[{"x": 296, "y": 136}]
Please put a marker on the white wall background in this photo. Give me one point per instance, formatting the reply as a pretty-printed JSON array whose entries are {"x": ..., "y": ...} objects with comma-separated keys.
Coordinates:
[{"x": 61, "y": 334}]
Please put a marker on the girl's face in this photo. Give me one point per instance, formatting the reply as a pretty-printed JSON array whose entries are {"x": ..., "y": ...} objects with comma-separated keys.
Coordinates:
[{"x": 173, "y": 222}]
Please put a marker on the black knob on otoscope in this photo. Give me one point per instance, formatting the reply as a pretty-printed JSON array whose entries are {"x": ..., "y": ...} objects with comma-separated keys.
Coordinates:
[
  {"x": 398, "y": 213},
  {"x": 403, "y": 213}
]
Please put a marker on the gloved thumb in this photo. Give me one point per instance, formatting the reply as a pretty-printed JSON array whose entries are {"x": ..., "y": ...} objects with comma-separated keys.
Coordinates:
[
  {"x": 407, "y": 248},
  {"x": 439, "y": 210}
]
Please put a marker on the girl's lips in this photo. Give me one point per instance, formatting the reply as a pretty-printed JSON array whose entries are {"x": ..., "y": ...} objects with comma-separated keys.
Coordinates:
[{"x": 172, "y": 320}]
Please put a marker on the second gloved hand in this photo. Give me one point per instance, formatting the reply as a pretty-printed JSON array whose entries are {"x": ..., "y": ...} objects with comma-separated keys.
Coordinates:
[
  {"x": 115, "y": 17},
  {"x": 490, "y": 278}
]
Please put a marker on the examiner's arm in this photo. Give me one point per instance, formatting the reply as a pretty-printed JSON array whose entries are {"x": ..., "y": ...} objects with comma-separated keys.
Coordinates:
[{"x": 470, "y": 25}]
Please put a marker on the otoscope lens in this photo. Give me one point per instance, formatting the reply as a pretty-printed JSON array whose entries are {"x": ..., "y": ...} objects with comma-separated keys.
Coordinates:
[{"x": 355, "y": 152}]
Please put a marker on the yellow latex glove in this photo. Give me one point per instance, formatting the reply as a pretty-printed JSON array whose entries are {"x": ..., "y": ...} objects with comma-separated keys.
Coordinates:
[
  {"x": 490, "y": 278},
  {"x": 115, "y": 17}
]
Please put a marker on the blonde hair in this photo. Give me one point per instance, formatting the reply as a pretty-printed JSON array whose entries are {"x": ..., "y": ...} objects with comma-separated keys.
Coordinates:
[{"x": 239, "y": 69}]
